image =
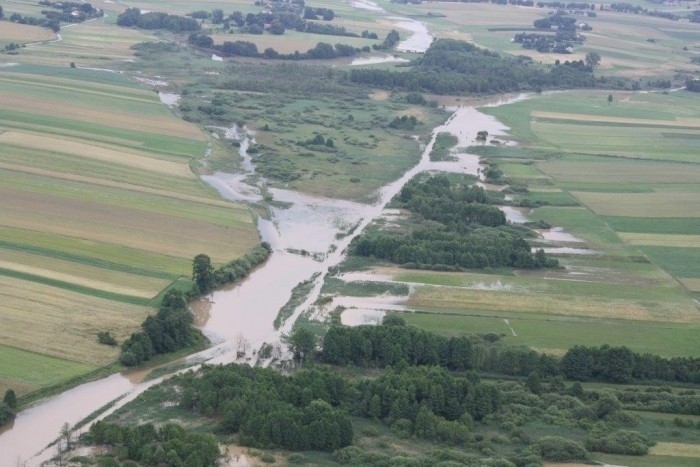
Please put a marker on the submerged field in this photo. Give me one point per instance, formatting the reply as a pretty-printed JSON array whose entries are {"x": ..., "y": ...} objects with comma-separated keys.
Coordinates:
[{"x": 101, "y": 212}]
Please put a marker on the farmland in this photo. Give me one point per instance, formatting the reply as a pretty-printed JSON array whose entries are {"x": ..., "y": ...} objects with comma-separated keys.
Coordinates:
[
  {"x": 610, "y": 176},
  {"x": 631, "y": 46},
  {"x": 101, "y": 212}
]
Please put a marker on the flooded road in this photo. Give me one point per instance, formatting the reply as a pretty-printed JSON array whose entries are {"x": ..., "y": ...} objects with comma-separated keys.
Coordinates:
[{"x": 239, "y": 319}]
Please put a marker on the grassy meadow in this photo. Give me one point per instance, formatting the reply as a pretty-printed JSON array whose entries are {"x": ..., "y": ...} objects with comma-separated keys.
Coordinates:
[{"x": 101, "y": 211}]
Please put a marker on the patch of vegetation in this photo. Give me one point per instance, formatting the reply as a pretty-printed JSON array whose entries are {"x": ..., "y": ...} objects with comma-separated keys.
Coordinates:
[
  {"x": 444, "y": 142},
  {"x": 460, "y": 231}
]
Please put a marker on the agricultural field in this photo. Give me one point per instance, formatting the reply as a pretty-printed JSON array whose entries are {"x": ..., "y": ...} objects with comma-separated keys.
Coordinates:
[
  {"x": 631, "y": 46},
  {"x": 23, "y": 33},
  {"x": 624, "y": 195},
  {"x": 101, "y": 212}
]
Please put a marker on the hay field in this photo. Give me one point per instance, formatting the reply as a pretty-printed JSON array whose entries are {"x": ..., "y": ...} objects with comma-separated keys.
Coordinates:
[
  {"x": 101, "y": 212},
  {"x": 22, "y": 33}
]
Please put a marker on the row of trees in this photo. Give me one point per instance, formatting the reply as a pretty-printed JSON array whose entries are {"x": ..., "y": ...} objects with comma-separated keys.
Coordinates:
[
  {"x": 622, "y": 365},
  {"x": 132, "y": 17},
  {"x": 394, "y": 342},
  {"x": 322, "y": 50},
  {"x": 206, "y": 278},
  {"x": 465, "y": 232}
]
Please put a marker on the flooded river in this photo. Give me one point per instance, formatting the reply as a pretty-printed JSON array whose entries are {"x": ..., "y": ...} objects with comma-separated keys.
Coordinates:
[{"x": 239, "y": 319}]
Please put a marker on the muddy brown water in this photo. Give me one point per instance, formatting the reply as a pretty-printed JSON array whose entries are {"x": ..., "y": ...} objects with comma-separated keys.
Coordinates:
[{"x": 240, "y": 317}]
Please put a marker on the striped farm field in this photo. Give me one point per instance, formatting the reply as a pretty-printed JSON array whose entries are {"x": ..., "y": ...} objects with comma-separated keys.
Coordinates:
[{"x": 101, "y": 212}]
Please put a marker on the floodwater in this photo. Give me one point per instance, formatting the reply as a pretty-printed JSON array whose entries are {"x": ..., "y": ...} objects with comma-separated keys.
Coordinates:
[
  {"x": 420, "y": 38},
  {"x": 378, "y": 59},
  {"x": 169, "y": 98},
  {"x": 239, "y": 319},
  {"x": 516, "y": 215},
  {"x": 557, "y": 234}
]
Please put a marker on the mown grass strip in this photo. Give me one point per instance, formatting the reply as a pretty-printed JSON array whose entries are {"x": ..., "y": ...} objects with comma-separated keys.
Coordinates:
[
  {"x": 87, "y": 260},
  {"x": 76, "y": 288}
]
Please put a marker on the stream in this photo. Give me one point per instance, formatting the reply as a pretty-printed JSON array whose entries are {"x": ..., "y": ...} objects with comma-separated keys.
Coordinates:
[{"x": 239, "y": 319}]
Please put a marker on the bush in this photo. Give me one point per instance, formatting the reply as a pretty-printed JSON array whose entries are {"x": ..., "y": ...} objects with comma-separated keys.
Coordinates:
[
  {"x": 627, "y": 442},
  {"x": 296, "y": 458},
  {"x": 557, "y": 449}
]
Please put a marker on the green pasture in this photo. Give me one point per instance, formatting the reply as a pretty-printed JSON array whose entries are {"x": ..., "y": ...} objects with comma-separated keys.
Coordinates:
[
  {"x": 582, "y": 223},
  {"x": 28, "y": 369},
  {"x": 681, "y": 262},
  {"x": 556, "y": 334},
  {"x": 655, "y": 225}
]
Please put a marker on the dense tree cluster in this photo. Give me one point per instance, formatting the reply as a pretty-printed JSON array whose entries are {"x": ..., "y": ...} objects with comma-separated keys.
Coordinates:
[
  {"x": 268, "y": 409},
  {"x": 169, "y": 330},
  {"x": 394, "y": 342},
  {"x": 132, "y": 17},
  {"x": 692, "y": 85},
  {"x": 561, "y": 42},
  {"x": 465, "y": 232},
  {"x": 621, "y": 365},
  {"x": 168, "y": 445},
  {"x": 457, "y": 67}
]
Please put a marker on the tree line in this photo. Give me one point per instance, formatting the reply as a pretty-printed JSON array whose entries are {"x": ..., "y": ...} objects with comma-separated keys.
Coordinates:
[
  {"x": 132, "y": 17},
  {"x": 395, "y": 342},
  {"x": 465, "y": 232},
  {"x": 321, "y": 51},
  {"x": 457, "y": 67}
]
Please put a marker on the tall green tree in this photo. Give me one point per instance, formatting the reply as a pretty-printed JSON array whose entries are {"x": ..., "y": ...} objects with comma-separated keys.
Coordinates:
[
  {"x": 203, "y": 273},
  {"x": 302, "y": 343},
  {"x": 10, "y": 399}
]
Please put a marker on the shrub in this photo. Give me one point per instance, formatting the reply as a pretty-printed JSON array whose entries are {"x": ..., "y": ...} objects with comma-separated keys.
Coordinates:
[
  {"x": 557, "y": 449},
  {"x": 627, "y": 442}
]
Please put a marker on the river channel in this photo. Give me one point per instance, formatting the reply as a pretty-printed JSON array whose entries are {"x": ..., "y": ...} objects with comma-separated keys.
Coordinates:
[{"x": 239, "y": 319}]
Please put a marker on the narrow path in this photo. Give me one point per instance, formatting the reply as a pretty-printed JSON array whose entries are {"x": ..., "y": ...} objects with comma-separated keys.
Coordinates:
[{"x": 512, "y": 331}]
